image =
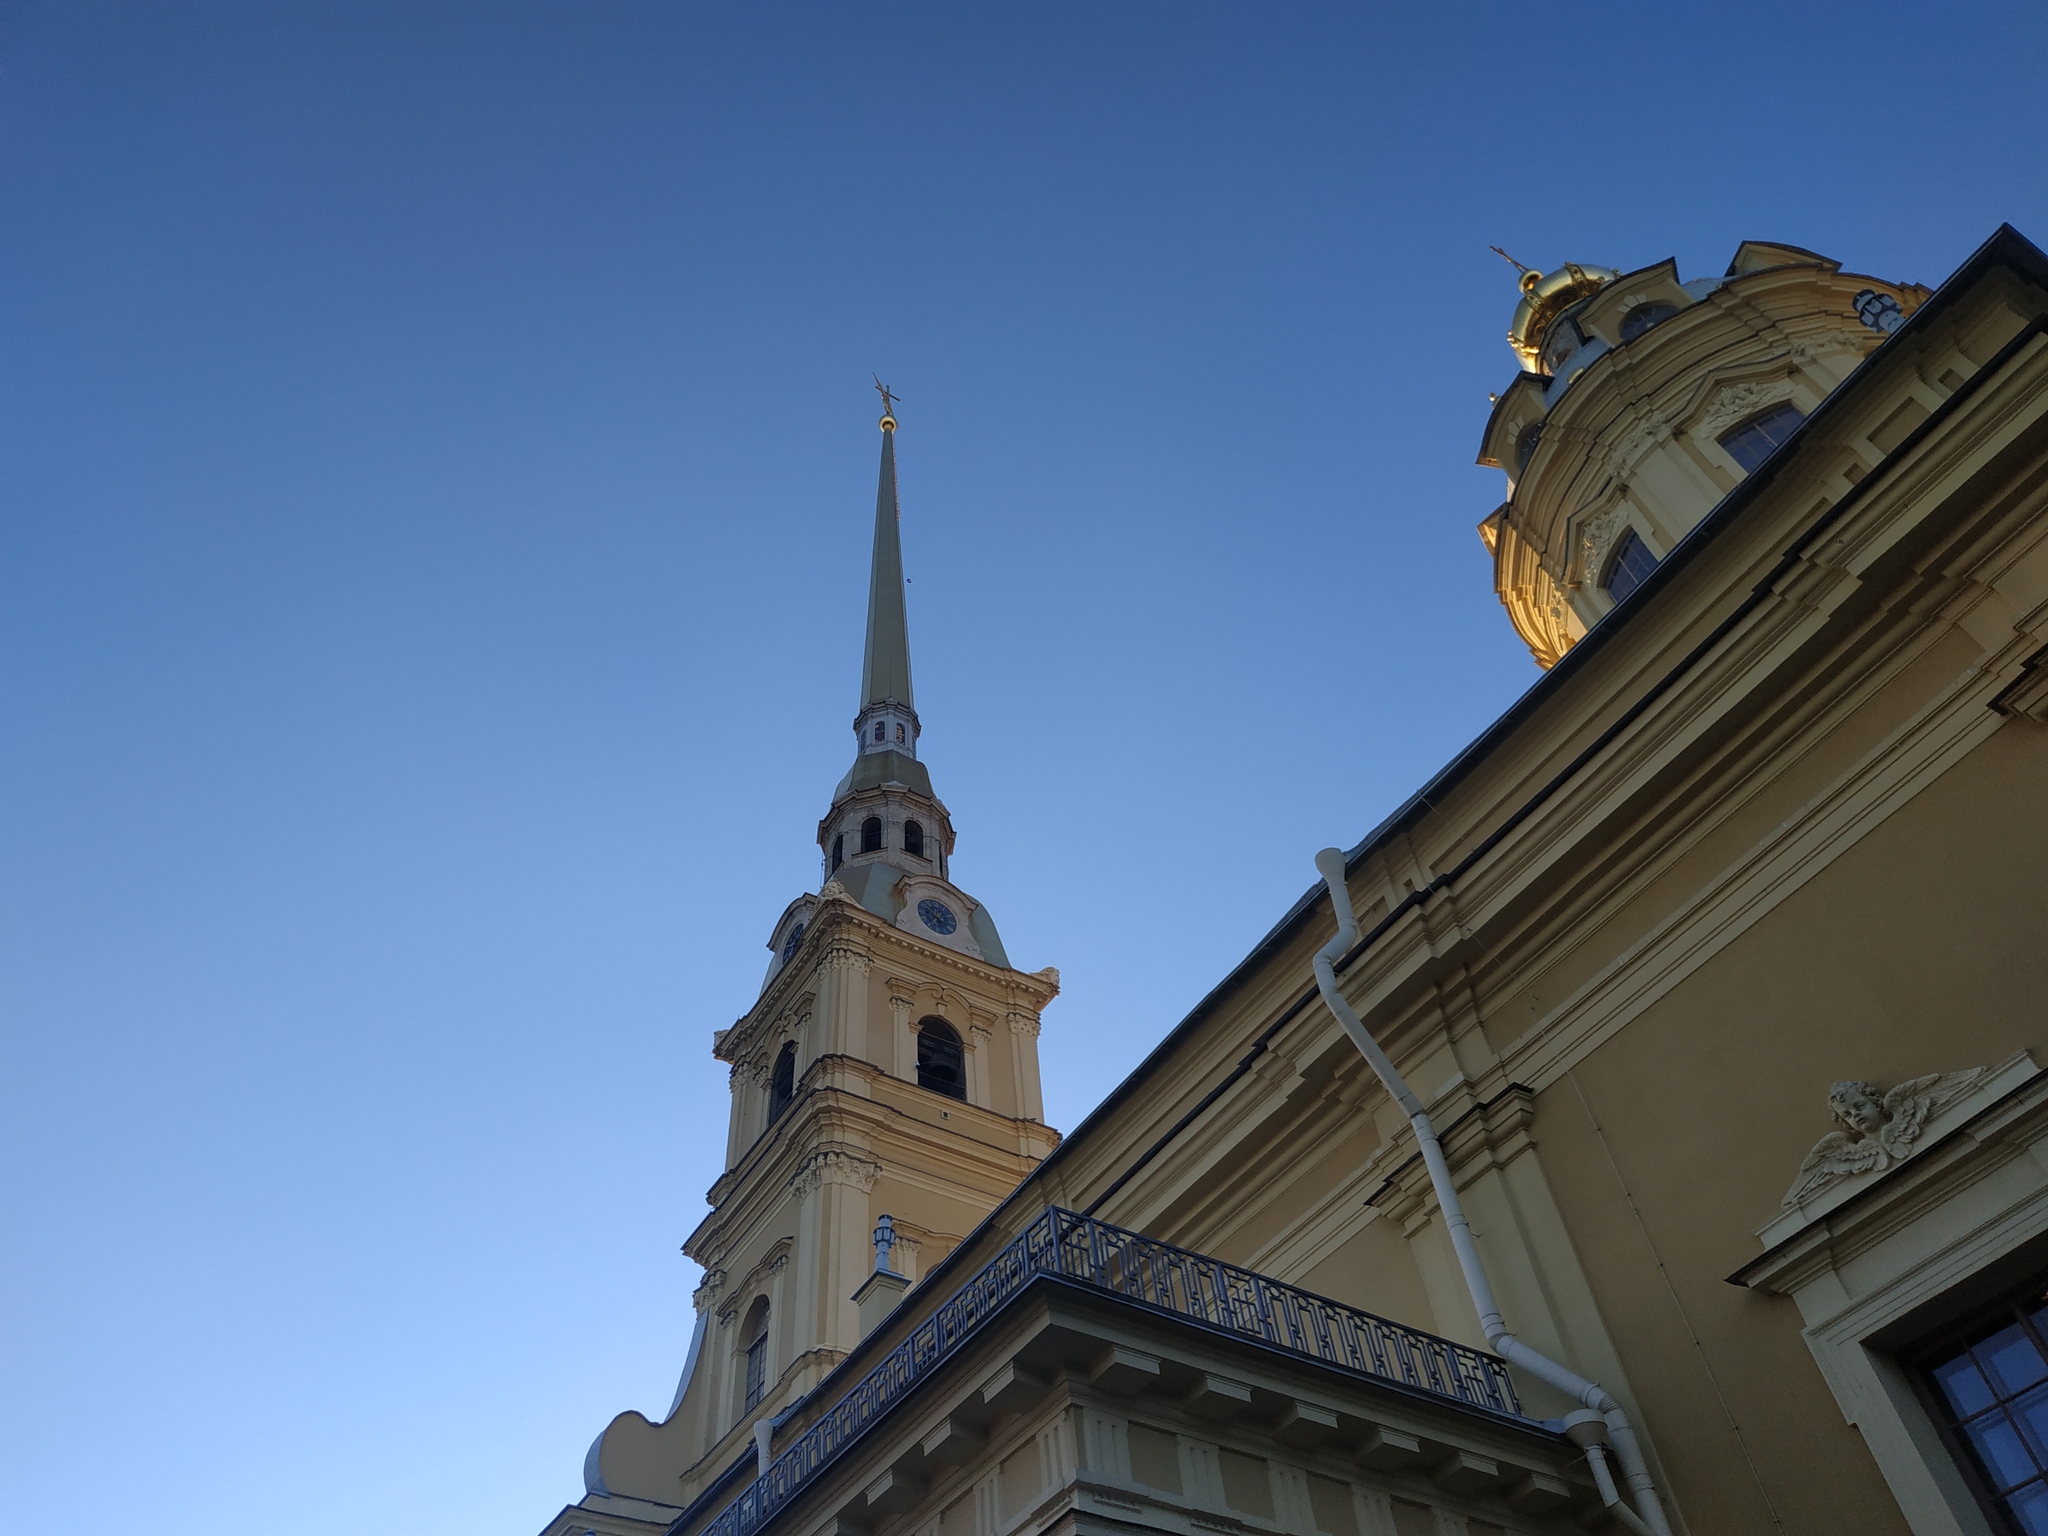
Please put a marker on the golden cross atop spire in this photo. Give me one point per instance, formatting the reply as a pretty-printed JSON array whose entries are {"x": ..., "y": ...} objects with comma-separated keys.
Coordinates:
[
  {"x": 888, "y": 404},
  {"x": 1530, "y": 276}
]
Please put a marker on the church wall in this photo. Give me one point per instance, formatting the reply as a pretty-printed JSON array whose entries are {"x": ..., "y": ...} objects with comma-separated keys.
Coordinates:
[{"x": 1919, "y": 950}]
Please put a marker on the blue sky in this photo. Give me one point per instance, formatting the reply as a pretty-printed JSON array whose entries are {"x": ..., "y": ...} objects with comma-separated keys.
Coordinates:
[{"x": 437, "y": 462}]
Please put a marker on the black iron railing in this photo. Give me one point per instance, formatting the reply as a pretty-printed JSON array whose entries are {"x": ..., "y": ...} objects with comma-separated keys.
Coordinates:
[{"x": 1153, "y": 1274}]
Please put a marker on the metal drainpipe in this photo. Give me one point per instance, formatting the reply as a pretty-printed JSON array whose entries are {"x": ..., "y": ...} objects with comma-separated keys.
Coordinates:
[{"x": 1330, "y": 864}]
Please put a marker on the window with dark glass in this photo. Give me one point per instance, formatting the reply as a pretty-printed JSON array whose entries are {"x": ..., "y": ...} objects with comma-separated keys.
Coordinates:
[
  {"x": 879, "y": 728},
  {"x": 871, "y": 835},
  {"x": 941, "y": 1064},
  {"x": 1525, "y": 445},
  {"x": 782, "y": 1082},
  {"x": 1751, "y": 443},
  {"x": 1643, "y": 316},
  {"x": 789, "y": 945},
  {"x": 839, "y": 850},
  {"x": 913, "y": 838},
  {"x": 1629, "y": 564},
  {"x": 1990, "y": 1381},
  {"x": 899, "y": 733},
  {"x": 757, "y": 1352}
]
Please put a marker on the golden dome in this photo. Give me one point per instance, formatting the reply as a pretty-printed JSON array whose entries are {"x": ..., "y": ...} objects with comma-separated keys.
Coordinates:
[{"x": 1545, "y": 296}]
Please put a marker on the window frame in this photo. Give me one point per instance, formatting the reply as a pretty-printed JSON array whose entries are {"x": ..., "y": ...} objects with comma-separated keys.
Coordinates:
[
  {"x": 941, "y": 1029},
  {"x": 1616, "y": 563},
  {"x": 1757, "y": 422},
  {"x": 1948, "y": 1343},
  {"x": 753, "y": 1354},
  {"x": 782, "y": 1081}
]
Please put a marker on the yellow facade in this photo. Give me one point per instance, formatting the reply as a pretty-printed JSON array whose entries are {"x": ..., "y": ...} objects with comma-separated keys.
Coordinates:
[{"x": 1717, "y": 964}]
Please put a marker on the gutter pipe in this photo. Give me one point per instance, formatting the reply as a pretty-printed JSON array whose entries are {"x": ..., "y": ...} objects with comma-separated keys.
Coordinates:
[{"x": 1590, "y": 1395}]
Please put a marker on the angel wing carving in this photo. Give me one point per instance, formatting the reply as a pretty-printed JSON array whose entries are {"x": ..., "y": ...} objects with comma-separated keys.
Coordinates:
[
  {"x": 1835, "y": 1156},
  {"x": 1900, "y": 1114}
]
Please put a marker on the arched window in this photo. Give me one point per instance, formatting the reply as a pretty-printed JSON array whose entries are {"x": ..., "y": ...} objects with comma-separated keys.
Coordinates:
[
  {"x": 755, "y": 1343},
  {"x": 1626, "y": 568},
  {"x": 1525, "y": 445},
  {"x": 1643, "y": 316},
  {"x": 871, "y": 835},
  {"x": 913, "y": 838},
  {"x": 838, "y": 850},
  {"x": 941, "y": 1064},
  {"x": 782, "y": 1081},
  {"x": 1751, "y": 443},
  {"x": 899, "y": 734},
  {"x": 880, "y": 726}
]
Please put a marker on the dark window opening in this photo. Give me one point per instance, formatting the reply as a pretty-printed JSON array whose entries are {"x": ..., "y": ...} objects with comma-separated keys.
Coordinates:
[
  {"x": 941, "y": 1064},
  {"x": 879, "y": 728},
  {"x": 1631, "y": 563},
  {"x": 782, "y": 1082},
  {"x": 1643, "y": 316},
  {"x": 1990, "y": 1383},
  {"x": 757, "y": 1352},
  {"x": 871, "y": 835},
  {"x": 839, "y": 850},
  {"x": 789, "y": 945},
  {"x": 913, "y": 838},
  {"x": 1525, "y": 445},
  {"x": 899, "y": 733},
  {"x": 1751, "y": 443}
]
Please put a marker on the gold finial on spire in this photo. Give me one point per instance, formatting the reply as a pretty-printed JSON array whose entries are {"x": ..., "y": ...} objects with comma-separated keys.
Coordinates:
[
  {"x": 888, "y": 404},
  {"x": 1530, "y": 276}
]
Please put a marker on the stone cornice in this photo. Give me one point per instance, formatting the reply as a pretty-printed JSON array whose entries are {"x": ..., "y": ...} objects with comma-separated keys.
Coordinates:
[{"x": 831, "y": 1119}]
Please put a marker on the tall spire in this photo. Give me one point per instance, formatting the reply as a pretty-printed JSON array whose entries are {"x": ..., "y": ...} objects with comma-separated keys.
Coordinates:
[{"x": 885, "y": 671}]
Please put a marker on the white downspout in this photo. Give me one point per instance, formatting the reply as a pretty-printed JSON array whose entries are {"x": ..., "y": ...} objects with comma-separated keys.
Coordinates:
[{"x": 1330, "y": 864}]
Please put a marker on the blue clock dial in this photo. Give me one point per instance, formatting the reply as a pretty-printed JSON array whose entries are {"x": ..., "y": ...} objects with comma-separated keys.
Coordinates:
[
  {"x": 937, "y": 916},
  {"x": 796, "y": 937}
]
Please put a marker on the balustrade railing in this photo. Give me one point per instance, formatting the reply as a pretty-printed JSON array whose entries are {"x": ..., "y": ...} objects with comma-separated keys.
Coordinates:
[{"x": 1153, "y": 1274}]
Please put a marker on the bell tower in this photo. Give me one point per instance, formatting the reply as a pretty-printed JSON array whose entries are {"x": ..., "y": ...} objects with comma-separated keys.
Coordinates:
[{"x": 889, "y": 1067}]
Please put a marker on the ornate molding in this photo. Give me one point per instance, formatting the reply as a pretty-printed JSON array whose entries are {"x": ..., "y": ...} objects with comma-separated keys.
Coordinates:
[
  {"x": 1735, "y": 401},
  {"x": 842, "y": 957},
  {"x": 1807, "y": 348},
  {"x": 1633, "y": 444},
  {"x": 830, "y": 1165},
  {"x": 1597, "y": 537},
  {"x": 1880, "y": 1127}
]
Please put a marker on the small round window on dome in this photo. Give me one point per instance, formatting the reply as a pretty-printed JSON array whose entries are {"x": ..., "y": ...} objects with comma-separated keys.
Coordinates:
[{"x": 1643, "y": 316}]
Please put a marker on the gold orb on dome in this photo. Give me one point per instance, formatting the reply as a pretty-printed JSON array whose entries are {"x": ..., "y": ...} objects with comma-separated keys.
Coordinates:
[{"x": 1545, "y": 296}]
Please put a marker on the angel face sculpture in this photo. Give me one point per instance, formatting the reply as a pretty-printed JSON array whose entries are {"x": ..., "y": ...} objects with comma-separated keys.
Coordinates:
[
  {"x": 1859, "y": 1106},
  {"x": 1880, "y": 1127}
]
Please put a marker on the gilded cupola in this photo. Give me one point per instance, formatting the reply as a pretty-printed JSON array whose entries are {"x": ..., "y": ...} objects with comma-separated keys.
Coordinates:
[
  {"x": 1642, "y": 400},
  {"x": 1547, "y": 297}
]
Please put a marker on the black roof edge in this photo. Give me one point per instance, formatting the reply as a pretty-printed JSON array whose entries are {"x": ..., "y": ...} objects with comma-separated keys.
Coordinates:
[{"x": 2006, "y": 247}]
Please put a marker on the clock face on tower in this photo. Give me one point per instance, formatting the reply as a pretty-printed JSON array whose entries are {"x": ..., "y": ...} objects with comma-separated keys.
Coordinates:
[{"x": 937, "y": 916}]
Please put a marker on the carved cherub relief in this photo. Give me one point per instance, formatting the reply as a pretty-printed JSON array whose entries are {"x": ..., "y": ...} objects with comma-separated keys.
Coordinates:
[{"x": 1880, "y": 1127}]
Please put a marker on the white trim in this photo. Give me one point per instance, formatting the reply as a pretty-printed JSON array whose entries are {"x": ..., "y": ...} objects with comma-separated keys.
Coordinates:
[{"x": 1900, "y": 1243}]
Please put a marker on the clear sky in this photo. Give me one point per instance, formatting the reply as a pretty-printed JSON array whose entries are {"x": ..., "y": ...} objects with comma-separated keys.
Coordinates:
[{"x": 436, "y": 468}]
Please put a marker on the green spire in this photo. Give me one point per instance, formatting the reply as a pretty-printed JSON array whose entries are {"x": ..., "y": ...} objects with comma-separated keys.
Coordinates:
[{"x": 885, "y": 672}]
